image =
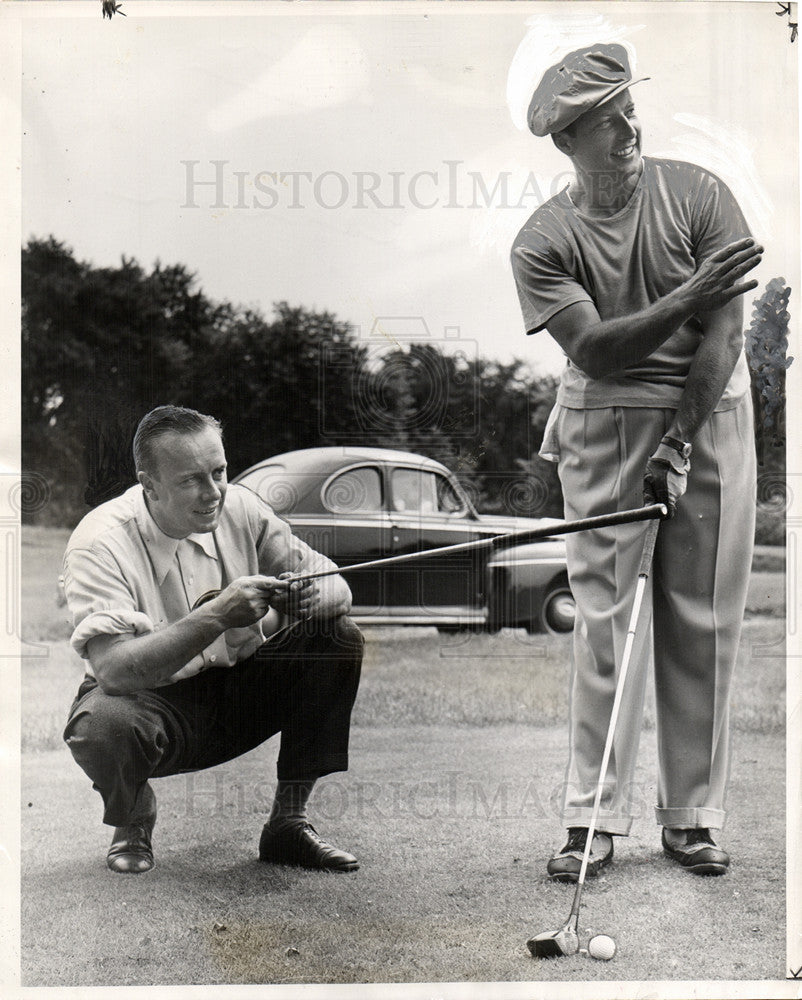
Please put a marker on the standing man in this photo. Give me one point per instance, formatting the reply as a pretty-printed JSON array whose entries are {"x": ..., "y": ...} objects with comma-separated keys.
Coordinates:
[
  {"x": 636, "y": 270},
  {"x": 179, "y": 590}
]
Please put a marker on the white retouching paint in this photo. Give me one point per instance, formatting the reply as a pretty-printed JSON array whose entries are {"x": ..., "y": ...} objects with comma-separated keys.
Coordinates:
[
  {"x": 720, "y": 146},
  {"x": 548, "y": 38},
  {"x": 326, "y": 68},
  {"x": 727, "y": 151}
]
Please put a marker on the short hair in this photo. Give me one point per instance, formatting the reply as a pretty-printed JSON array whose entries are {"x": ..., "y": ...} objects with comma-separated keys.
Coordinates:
[{"x": 166, "y": 420}]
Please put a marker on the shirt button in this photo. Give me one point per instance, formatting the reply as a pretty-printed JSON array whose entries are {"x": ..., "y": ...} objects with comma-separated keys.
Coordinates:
[{"x": 212, "y": 659}]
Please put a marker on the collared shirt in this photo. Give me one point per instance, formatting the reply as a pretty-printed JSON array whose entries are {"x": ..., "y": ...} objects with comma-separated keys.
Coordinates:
[{"x": 123, "y": 575}]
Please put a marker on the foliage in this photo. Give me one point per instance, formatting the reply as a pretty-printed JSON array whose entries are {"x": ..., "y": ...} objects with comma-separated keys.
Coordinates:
[
  {"x": 101, "y": 346},
  {"x": 766, "y": 349}
]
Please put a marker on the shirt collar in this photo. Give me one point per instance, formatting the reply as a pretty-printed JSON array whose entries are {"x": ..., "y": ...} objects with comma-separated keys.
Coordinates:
[{"x": 162, "y": 548}]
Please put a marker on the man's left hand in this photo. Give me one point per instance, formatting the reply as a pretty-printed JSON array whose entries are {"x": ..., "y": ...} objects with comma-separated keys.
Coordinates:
[
  {"x": 300, "y": 600},
  {"x": 666, "y": 478}
]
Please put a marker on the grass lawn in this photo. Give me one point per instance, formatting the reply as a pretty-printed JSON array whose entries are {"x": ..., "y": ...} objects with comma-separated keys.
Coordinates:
[{"x": 451, "y": 802}]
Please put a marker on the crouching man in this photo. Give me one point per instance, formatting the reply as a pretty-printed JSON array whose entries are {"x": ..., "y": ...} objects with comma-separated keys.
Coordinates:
[{"x": 199, "y": 647}]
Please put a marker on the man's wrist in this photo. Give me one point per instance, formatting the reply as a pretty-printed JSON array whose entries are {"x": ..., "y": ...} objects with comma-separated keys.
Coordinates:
[
  {"x": 210, "y": 617},
  {"x": 682, "y": 448},
  {"x": 682, "y": 302}
]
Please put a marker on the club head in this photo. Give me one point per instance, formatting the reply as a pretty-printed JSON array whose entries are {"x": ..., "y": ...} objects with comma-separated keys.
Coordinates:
[{"x": 554, "y": 944}]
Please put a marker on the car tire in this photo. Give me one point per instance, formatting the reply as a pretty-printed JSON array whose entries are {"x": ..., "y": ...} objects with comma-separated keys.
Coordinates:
[{"x": 558, "y": 612}]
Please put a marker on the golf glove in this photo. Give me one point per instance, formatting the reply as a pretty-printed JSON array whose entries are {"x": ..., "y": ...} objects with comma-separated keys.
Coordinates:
[{"x": 666, "y": 478}]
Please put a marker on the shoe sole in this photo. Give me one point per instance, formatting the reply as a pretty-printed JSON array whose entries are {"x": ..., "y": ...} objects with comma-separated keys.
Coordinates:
[
  {"x": 573, "y": 877},
  {"x": 711, "y": 868},
  {"x": 294, "y": 863},
  {"x": 708, "y": 870},
  {"x": 129, "y": 871}
]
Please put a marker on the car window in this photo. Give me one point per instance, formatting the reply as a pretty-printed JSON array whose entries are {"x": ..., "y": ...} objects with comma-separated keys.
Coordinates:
[
  {"x": 354, "y": 490},
  {"x": 419, "y": 492}
]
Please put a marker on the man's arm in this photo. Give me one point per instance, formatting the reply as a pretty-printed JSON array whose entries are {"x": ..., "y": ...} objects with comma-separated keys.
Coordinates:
[
  {"x": 124, "y": 663},
  {"x": 710, "y": 369},
  {"x": 666, "y": 475},
  {"x": 602, "y": 347}
]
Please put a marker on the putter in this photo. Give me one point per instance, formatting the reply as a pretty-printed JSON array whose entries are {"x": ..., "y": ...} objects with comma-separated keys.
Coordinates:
[
  {"x": 650, "y": 512},
  {"x": 565, "y": 941}
]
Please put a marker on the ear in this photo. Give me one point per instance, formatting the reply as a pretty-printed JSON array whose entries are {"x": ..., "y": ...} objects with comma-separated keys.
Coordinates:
[
  {"x": 563, "y": 142},
  {"x": 148, "y": 484}
]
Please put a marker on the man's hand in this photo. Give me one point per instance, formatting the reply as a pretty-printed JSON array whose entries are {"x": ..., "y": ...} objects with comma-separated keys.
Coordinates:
[
  {"x": 717, "y": 281},
  {"x": 246, "y": 600},
  {"x": 666, "y": 478},
  {"x": 299, "y": 599}
]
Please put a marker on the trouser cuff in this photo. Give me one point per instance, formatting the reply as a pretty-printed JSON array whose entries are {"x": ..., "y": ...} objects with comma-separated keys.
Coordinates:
[
  {"x": 692, "y": 819},
  {"x": 609, "y": 823}
]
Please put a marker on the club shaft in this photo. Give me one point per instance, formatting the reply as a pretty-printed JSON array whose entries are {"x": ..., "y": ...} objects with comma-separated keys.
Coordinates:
[
  {"x": 640, "y": 587},
  {"x": 650, "y": 512}
]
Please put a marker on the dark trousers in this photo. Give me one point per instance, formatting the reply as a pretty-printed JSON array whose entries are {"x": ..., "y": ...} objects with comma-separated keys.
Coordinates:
[{"x": 301, "y": 683}]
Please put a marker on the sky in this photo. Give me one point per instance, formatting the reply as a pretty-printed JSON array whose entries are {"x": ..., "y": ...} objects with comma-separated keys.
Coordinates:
[{"x": 374, "y": 162}]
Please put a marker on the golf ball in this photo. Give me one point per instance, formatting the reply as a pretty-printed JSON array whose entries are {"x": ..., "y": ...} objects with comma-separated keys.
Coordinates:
[{"x": 601, "y": 946}]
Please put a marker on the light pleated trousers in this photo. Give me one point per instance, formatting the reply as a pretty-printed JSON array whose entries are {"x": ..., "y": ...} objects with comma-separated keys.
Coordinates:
[{"x": 695, "y": 599}]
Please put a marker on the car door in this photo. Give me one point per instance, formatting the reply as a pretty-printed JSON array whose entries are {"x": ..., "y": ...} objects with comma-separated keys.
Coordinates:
[
  {"x": 428, "y": 511},
  {"x": 356, "y": 528}
]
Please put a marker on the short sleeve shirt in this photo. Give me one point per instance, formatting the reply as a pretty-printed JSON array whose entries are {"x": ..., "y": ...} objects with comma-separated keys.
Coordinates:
[
  {"x": 123, "y": 575},
  {"x": 678, "y": 215}
]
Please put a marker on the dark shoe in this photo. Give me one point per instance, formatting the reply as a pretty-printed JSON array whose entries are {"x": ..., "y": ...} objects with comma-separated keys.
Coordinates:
[
  {"x": 301, "y": 846},
  {"x": 566, "y": 864},
  {"x": 130, "y": 850},
  {"x": 696, "y": 851}
]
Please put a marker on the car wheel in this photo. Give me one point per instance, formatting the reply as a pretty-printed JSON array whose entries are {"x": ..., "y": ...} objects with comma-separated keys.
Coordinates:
[{"x": 558, "y": 613}]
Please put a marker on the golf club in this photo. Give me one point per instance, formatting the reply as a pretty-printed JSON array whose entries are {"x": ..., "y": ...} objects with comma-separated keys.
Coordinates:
[
  {"x": 565, "y": 941},
  {"x": 648, "y": 513}
]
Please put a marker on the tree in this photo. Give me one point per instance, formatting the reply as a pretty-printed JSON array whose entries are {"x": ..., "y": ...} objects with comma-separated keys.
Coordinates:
[
  {"x": 100, "y": 346},
  {"x": 281, "y": 385}
]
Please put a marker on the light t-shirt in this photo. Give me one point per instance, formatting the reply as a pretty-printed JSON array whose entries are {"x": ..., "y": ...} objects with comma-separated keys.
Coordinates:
[{"x": 678, "y": 215}]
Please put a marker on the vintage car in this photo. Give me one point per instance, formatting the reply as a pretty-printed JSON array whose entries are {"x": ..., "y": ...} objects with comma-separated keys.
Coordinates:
[{"x": 360, "y": 504}]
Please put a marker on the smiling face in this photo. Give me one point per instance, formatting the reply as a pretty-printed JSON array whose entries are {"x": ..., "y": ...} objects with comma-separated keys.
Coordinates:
[
  {"x": 185, "y": 486},
  {"x": 604, "y": 145}
]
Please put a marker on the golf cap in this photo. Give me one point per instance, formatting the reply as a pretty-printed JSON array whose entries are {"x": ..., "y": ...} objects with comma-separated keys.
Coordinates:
[{"x": 580, "y": 81}]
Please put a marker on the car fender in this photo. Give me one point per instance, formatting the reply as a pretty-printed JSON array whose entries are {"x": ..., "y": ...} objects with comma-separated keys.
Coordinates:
[{"x": 519, "y": 580}]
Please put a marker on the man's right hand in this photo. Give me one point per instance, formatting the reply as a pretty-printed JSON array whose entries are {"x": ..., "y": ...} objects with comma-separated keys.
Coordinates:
[
  {"x": 717, "y": 281},
  {"x": 245, "y": 600}
]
